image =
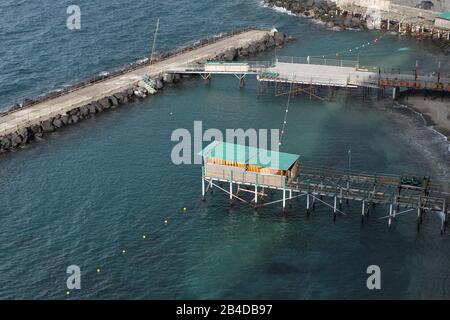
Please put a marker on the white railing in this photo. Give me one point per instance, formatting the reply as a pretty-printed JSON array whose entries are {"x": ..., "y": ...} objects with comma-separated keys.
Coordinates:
[{"x": 318, "y": 61}]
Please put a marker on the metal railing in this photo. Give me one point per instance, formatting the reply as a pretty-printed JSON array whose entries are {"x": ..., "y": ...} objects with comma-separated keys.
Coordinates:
[
  {"x": 28, "y": 102},
  {"x": 318, "y": 61}
]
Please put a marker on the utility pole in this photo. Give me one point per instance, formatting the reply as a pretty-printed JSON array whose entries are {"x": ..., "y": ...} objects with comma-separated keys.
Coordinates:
[{"x": 155, "y": 36}]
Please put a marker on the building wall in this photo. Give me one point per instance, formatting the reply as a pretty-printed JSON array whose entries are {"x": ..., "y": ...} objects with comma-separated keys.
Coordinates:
[
  {"x": 374, "y": 4},
  {"x": 442, "y": 23}
]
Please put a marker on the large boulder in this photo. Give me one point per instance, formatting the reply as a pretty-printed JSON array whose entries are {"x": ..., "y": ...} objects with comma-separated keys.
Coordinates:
[
  {"x": 114, "y": 101},
  {"x": 5, "y": 142},
  {"x": 26, "y": 134},
  {"x": 75, "y": 119},
  {"x": 105, "y": 103},
  {"x": 230, "y": 55},
  {"x": 98, "y": 107},
  {"x": 47, "y": 125},
  {"x": 92, "y": 109},
  {"x": 84, "y": 111},
  {"x": 279, "y": 38},
  {"x": 16, "y": 139},
  {"x": 57, "y": 123},
  {"x": 65, "y": 119},
  {"x": 36, "y": 129}
]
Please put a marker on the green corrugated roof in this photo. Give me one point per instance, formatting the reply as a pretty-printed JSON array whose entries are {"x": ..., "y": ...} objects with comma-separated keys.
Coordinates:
[
  {"x": 445, "y": 15},
  {"x": 249, "y": 155}
]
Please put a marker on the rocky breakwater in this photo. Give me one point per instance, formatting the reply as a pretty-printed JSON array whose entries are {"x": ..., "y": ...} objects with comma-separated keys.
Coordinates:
[
  {"x": 28, "y": 134},
  {"x": 270, "y": 41},
  {"x": 142, "y": 89},
  {"x": 322, "y": 10}
]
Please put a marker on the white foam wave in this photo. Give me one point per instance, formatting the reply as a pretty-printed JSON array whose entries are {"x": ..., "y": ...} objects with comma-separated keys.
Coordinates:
[
  {"x": 278, "y": 9},
  {"x": 420, "y": 115}
]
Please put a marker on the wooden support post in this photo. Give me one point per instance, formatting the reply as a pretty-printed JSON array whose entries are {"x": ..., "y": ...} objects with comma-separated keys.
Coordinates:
[
  {"x": 231, "y": 187},
  {"x": 362, "y": 211},
  {"x": 290, "y": 198},
  {"x": 419, "y": 218},
  {"x": 256, "y": 190},
  {"x": 334, "y": 208},
  {"x": 442, "y": 223},
  {"x": 444, "y": 218},
  {"x": 203, "y": 183},
  {"x": 390, "y": 215},
  {"x": 307, "y": 204}
]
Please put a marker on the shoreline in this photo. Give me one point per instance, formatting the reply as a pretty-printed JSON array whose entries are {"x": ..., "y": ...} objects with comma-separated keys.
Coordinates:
[
  {"x": 338, "y": 15},
  {"x": 433, "y": 108}
]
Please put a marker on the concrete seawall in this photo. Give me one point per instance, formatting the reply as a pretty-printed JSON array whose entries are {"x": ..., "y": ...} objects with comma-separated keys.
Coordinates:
[{"x": 22, "y": 125}]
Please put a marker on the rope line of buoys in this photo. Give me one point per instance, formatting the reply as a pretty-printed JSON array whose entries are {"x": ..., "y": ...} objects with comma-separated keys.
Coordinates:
[{"x": 123, "y": 251}]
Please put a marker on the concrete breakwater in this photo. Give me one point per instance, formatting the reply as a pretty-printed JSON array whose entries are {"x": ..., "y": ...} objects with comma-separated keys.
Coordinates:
[
  {"x": 360, "y": 14},
  {"x": 23, "y": 125}
]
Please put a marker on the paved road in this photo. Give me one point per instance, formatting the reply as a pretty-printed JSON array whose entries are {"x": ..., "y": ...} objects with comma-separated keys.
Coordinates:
[{"x": 60, "y": 105}]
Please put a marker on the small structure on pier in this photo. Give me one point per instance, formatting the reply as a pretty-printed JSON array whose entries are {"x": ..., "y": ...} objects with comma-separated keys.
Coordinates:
[
  {"x": 258, "y": 172},
  {"x": 247, "y": 166},
  {"x": 443, "y": 20},
  {"x": 227, "y": 67}
]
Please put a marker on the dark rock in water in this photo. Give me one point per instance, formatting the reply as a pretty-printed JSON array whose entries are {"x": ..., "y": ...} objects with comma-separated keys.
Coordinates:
[
  {"x": 84, "y": 111},
  {"x": 120, "y": 97},
  {"x": 37, "y": 129},
  {"x": 279, "y": 38},
  {"x": 105, "y": 103},
  {"x": 282, "y": 268},
  {"x": 230, "y": 55},
  {"x": 5, "y": 142},
  {"x": 92, "y": 109},
  {"x": 74, "y": 111},
  {"x": 16, "y": 139},
  {"x": 114, "y": 101},
  {"x": 98, "y": 107},
  {"x": 75, "y": 119},
  {"x": 26, "y": 134},
  {"x": 58, "y": 123},
  {"x": 65, "y": 119},
  {"x": 47, "y": 125}
]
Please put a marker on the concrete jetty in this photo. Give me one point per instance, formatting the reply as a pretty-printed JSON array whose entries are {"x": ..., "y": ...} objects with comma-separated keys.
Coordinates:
[{"x": 20, "y": 126}]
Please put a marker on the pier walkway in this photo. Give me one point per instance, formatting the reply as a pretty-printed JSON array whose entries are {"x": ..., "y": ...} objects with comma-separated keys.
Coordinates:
[
  {"x": 322, "y": 72},
  {"x": 94, "y": 92},
  {"x": 346, "y": 73}
]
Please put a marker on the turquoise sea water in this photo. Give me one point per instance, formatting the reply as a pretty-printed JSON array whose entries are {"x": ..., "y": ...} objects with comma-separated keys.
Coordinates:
[{"x": 84, "y": 194}]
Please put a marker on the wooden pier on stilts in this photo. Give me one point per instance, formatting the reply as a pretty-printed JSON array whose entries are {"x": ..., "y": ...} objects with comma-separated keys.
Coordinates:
[
  {"x": 249, "y": 175},
  {"x": 309, "y": 75}
]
